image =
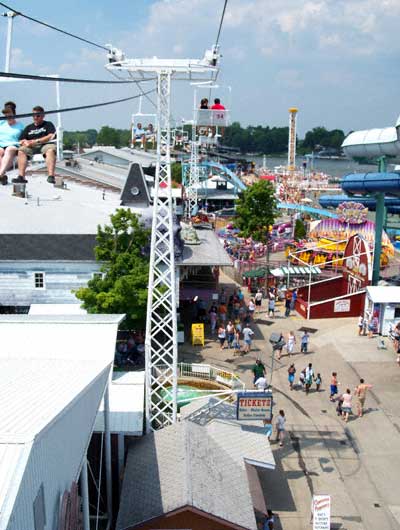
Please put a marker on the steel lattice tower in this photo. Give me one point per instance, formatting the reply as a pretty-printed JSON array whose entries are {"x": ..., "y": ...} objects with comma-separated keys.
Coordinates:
[
  {"x": 194, "y": 176},
  {"x": 161, "y": 330}
]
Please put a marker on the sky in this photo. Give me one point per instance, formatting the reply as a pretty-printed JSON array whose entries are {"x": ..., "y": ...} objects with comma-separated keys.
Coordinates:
[{"x": 336, "y": 60}]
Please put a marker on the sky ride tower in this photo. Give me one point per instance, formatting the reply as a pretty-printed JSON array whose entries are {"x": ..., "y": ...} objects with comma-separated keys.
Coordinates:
[{"x": 161, "y": 353}]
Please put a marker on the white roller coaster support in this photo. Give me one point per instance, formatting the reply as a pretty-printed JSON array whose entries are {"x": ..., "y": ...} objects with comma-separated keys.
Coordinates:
[{"x": 161, "y": 333}]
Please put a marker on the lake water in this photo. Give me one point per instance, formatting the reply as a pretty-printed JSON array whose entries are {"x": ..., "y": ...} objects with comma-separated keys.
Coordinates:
[{"x": 335, "y": 168}]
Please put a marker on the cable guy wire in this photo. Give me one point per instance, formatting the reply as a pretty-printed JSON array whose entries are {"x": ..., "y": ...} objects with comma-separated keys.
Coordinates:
[
  {"x": 54, "y": 27},
  {"x": 65, "y": 79},
  {"x": 83, "y": 107}
]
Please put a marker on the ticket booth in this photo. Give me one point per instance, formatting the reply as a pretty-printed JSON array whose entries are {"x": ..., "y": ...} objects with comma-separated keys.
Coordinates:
[{"x": 382, "y": 307}]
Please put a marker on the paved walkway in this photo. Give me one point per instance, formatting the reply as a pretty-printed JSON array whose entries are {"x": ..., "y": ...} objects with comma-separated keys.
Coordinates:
[{"x": 357, "y": 463}]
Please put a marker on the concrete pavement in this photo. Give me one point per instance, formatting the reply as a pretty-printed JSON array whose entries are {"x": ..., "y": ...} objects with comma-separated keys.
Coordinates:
[{"x": 357, "y": 463}]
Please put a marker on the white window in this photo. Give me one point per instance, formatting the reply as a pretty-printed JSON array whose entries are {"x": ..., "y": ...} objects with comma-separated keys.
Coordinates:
[{"x": 39, "y": 280}]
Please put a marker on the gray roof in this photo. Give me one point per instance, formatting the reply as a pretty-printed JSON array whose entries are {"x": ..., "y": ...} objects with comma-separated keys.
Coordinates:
[
  {"x": 209, "y": 252},
  {"x": 195, "y": 466},
  {"x": 37, "y": 247}
]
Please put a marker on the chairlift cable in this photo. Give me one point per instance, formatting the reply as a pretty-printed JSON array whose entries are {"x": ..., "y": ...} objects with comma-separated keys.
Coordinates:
[
  {"x": 66, "y": 79},
  {"x": 82, "y": 107},
  {"x": 217, "y": 42},
  {"x": 221, "y": 22},
  {"x": 53, "y": 27}
]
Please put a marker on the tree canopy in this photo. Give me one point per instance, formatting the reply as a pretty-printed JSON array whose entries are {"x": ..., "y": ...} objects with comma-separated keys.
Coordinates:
[
  {"x": 122, "y": 288},
  {"x": 319, "y": 136},
  {"x": 256, "y": 210}
]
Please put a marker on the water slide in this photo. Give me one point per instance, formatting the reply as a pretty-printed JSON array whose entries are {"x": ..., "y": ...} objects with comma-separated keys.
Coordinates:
[
  {"x": 308, "y": 209},
  {"x": 373, "y": 143},
  {"x": 232, "y": 177},
  {"x": 392, "y": 204}
]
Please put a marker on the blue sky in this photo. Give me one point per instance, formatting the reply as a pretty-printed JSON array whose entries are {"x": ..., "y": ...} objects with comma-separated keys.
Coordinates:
[{"x": 337, "y": 60}]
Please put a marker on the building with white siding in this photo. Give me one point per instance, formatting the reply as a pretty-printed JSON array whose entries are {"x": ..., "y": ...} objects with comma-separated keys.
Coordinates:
[{"x": 53, "y": 374}]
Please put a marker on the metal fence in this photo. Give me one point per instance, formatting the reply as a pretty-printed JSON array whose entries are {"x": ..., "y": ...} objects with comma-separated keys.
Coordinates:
[{"x": 204, "y": 372}]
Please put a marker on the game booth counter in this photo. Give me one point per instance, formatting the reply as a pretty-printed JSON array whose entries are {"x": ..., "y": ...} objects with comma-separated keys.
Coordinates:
[
  {"x": 342, "y": 295},
  {"x": 382, "y": 308}
]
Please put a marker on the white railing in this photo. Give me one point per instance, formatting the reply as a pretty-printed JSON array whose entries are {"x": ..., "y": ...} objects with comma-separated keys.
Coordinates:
[{"x": 206, "y": 372}]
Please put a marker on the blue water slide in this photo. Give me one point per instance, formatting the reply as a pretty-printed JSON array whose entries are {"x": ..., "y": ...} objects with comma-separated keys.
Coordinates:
[
  {"x": 332, "y": 201},
  {"x": 232, "y": 177},
  {"x": 308, "y": 209},
  {"x": 370, "y": 183}
]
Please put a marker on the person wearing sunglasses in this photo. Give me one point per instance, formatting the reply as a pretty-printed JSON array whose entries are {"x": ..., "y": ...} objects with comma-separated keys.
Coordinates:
[
  {"x": 10, "y": 133},
  {"x": 37, "y": 139}
]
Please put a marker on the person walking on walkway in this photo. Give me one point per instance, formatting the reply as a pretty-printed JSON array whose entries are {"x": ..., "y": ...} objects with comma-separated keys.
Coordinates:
[
  {"x": 271, "y": 307},
  {"x": 251, "y": 308},
  {"x": 258, "y": 300},
  {"x": 346, "y": 406},
  {"x": 236, "y": 342},
  {"x": 268, "y": 426},
  {"x": 291, "y": 375},
  {"x": 304, "y": 342},
  {"x": 318, "y": 381},
  {"x": 334, "y": 386},
  {"x": 247, "y": 337},
  {"x": 309, "y": 377},
  {"x": 222, "y": 335},
  {"x": 360, "y": 325},
  {"x": 280, "y": 427},
  {"x": 279, "y": 345},
  {"x": 361, "y": 394},
  {"x": 213, "y": 319},
  {"x": 230, "y": 333},
  {"x": 288, "y": 301},
  {"x": 291, "y": 341},
  {"x": 258, "y": 370},
  {"x": 261, "y": 384}
]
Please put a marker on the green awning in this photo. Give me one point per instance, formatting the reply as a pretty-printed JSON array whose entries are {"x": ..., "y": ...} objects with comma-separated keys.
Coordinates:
[{"x": 255, "y": 273}]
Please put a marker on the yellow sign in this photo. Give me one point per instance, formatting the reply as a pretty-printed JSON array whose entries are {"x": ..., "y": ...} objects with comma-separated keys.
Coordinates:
[{"x": 198, "y": 334}]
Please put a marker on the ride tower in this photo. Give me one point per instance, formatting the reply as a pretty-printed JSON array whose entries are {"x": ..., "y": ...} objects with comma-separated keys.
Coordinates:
[
  {"x": 208, "y": 126},
  {"x": 292, "y": 139},
  {"x": 161, "y": 330}
]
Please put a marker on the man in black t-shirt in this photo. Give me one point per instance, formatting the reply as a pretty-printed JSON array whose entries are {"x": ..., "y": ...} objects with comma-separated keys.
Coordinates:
[{"x": 37, "y": 138}]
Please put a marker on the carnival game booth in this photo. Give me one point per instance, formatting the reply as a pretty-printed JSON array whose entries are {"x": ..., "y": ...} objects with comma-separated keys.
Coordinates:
[
  {"x": 342, "y": 295},
  {"x": 328, "y": 238},
  {"x": 382, "y": 308}
]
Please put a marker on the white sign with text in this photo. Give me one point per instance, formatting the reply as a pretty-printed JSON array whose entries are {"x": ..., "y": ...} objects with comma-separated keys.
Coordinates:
[{"x": 321, "y": 509}]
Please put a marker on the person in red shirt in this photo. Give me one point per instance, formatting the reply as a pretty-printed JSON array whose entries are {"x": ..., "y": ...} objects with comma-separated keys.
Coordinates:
[{"x": 217, "y": 105}]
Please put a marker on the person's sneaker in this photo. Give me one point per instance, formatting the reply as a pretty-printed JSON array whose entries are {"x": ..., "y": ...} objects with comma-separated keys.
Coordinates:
[
  {"x": 51, "y": 179},
  {"x": 4, "y": 180},
  {"x": 20, "y": 180}
]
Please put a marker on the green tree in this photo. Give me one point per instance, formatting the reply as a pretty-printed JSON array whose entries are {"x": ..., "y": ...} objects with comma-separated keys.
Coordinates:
[
  {"x": 108, "y": 136},
  {"x": 300, "y": 231},
  {"x": 176, "y": 172},
  {"x": 125, "y": 268},
  {"x": 256, "y": 210}
]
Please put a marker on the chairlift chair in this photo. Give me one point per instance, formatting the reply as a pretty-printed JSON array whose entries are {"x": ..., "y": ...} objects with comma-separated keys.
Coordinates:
[{"x": 145, "y": 119}]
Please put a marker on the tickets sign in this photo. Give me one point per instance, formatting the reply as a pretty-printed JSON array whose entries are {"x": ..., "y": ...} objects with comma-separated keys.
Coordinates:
[
  {"x": 321, "y": 509},
  {"x": 254, "y": 405}
]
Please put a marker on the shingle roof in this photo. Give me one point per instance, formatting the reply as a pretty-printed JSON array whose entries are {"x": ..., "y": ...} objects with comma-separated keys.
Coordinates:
[
  {"x": 187, "y": 464},
  {"x": 27, "y": 247}
]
